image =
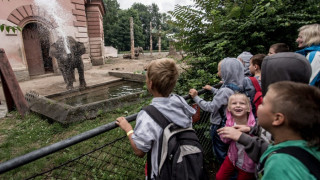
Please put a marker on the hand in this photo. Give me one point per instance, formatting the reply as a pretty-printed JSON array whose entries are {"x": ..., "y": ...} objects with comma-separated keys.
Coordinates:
[
  {"x": 207, "y": 87},
  {"x": 123, "y": 124},
  {"x": 230, "y": 132},
  {"x": 193, "y": 93},
  {"x": 242, "y": 128}
]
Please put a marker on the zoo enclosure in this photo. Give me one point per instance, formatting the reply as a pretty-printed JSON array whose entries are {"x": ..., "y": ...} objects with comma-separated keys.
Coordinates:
[{"x": 108, "y": 155}]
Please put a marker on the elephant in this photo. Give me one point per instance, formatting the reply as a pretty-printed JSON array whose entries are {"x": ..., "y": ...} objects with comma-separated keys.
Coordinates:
[
  {"x": 68, "y": 62},
  {"x": 138, "y": 50}
]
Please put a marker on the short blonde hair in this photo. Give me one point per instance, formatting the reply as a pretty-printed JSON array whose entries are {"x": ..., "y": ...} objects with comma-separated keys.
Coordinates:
[
  {"x": 163, "y": 73},
  {"x": 310, "y": 34},
  {"x": 244, "y": 96}
]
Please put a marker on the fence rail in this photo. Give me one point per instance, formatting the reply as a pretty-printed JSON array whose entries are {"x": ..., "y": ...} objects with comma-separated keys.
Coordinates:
[{"x": 111, "y": 160}]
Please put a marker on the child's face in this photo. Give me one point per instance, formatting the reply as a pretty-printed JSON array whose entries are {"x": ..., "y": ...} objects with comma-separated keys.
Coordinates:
[
  {"x": 265, "y": 113},
  {"x": 271, "y": 52},
  {"x": 252, "y": 68},
  {"x": 238, "y": 106}
]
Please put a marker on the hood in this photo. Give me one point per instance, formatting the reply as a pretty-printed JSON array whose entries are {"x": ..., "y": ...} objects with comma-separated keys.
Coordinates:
[
  {"x": 232, "y": 71},
  {"x": 245, "y": 56},
  {"x": 230, "y": 120},
  {"x": 306, "y": 50},
  {"x": 176, "y": 109},
  {"x": 285, "y": 66}
]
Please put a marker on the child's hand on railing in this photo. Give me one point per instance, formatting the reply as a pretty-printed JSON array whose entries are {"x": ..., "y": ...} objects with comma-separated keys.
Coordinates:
[
  {"x": 207, "y": 87},
  {"x": 124, "y": 124},
  {"x": 193, "y": 93}
]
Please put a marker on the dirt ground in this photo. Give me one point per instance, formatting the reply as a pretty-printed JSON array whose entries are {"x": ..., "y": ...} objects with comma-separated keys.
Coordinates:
[{"x": 50, "y": 84}]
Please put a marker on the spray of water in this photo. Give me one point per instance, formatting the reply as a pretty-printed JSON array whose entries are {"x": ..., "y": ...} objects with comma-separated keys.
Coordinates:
[{"x": 56, "y": 12}]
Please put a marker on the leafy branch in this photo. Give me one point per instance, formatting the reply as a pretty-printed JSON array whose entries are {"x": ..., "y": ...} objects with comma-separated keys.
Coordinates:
[{"x": 8, "y": 28}]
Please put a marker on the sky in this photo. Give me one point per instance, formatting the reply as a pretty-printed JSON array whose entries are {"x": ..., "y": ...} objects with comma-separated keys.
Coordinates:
[{"x": 164, "y": 5}]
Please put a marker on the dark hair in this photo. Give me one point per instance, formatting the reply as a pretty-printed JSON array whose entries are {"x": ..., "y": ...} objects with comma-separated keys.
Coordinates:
[
  {"x": 280, "y": 47},
  {"x": 300, "y": 104},
  {"x": 257, "y": 59}
]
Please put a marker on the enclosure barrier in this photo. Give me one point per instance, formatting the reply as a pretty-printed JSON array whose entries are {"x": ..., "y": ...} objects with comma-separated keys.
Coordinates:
[{"x": 111, "y": 160}]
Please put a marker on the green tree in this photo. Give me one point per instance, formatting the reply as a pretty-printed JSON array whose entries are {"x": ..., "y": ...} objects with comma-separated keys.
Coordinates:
[
  {"x": 214, "y": 29},
  {"x": 110, "y": 23}
]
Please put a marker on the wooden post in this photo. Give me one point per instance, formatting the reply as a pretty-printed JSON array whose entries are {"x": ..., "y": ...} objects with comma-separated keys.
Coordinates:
[
  {"x": 159, "y": 38},
  {"x": 11, "y": 88},
  {"x": 151, "y": 38},
  {"x": 131, "y": 38}
]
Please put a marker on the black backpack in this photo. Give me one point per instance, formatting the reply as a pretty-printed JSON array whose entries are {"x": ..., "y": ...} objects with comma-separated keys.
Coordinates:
[{"x": 180, "y": 153}]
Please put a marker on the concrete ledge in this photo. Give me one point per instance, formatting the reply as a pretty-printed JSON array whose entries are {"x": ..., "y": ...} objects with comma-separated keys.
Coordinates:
[
  {"x": 67, "y": 114},
  {"x": 129, "y": 76}
]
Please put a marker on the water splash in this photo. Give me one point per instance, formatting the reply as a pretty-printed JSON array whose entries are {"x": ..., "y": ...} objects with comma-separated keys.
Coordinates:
[{"x": 57, "y": 13}]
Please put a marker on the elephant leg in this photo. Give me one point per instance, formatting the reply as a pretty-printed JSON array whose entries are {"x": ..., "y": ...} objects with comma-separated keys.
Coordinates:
[
  {"x": 80, "y": 68},
  {"x": 73, "y": 75},
  {"x": 69, "y": 77}
]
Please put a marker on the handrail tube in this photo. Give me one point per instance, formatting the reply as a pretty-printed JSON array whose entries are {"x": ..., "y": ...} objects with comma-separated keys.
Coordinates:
[{"x": 37, "y": 154}]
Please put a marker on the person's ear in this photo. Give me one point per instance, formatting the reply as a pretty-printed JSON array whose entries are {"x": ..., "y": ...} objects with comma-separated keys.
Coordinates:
[
  {"x": 278, "y": 119},
  {"x": 256, "y": 67}
]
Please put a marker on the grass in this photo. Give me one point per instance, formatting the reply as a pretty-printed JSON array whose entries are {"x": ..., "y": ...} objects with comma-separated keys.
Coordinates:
[{"x": 20, "y": 136}]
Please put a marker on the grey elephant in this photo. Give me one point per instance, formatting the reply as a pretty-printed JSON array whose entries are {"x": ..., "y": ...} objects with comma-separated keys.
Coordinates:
[
  {"x": 68, "y": 62},
  {"x": 138, "y": 50}
]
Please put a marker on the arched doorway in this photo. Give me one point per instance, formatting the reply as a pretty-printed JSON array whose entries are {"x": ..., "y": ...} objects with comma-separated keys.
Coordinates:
[{"x": 36, "y": 45}]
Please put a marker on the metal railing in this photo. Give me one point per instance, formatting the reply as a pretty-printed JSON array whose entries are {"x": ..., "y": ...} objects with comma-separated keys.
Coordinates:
[{"x": 114, "y": 159}]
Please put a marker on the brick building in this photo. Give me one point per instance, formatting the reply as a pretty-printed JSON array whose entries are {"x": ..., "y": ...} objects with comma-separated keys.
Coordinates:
[{"x": 28, "y": 50}]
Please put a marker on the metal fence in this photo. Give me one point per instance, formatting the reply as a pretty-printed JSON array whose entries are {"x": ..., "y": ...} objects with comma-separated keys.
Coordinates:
[{"x": 107, "y": 154}]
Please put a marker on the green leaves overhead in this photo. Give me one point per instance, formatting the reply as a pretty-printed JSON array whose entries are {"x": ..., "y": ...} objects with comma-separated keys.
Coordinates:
[{"x": 217, "y": 29}]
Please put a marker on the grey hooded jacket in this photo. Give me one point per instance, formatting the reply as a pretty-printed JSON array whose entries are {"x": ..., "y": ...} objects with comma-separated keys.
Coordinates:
[{"x": 231, "y": 73}]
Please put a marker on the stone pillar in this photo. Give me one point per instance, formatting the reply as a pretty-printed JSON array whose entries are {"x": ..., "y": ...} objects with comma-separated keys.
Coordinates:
[
  {"x": 95, "y": 11},
  {"x": 151, "y": 38},
  {"x": 159, "y": 37},
  {"x": 131, "y": 38}
]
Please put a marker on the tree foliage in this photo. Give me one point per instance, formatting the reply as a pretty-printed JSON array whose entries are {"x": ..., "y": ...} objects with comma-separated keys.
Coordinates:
[
  {"x": 213, "y": 29},
  {"x": 117, "y": 25}
]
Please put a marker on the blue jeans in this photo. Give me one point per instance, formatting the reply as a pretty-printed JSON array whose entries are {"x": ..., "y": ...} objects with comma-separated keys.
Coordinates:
[{"x": 220, "y": 149}]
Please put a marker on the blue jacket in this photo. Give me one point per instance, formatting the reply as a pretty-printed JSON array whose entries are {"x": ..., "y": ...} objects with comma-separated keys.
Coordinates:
[{"x": 312, "y": 53}]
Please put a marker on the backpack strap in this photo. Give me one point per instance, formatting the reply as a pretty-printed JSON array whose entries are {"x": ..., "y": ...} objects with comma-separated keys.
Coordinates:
[
  {"x": 302, "y": 155},
  {"x": 255, "y": 84},
  {"x": 234, "y": 87},
  {"x": 162, "y": 121},
  {"x": 157, "y": 116}
]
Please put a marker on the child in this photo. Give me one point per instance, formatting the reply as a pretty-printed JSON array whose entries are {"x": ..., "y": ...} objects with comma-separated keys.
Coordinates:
[
  {"x": 255, "y": 70},
  {"x": 231, "y": 71},
  {"x": 238, "y": 113},
  {"x": 287, "y": 66},
  {"x": 278, "y": 47},
  {"x": 161, "y": 78},
  {"x": 291, "y": 113},
  {"x": 244, "y": 57}
]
